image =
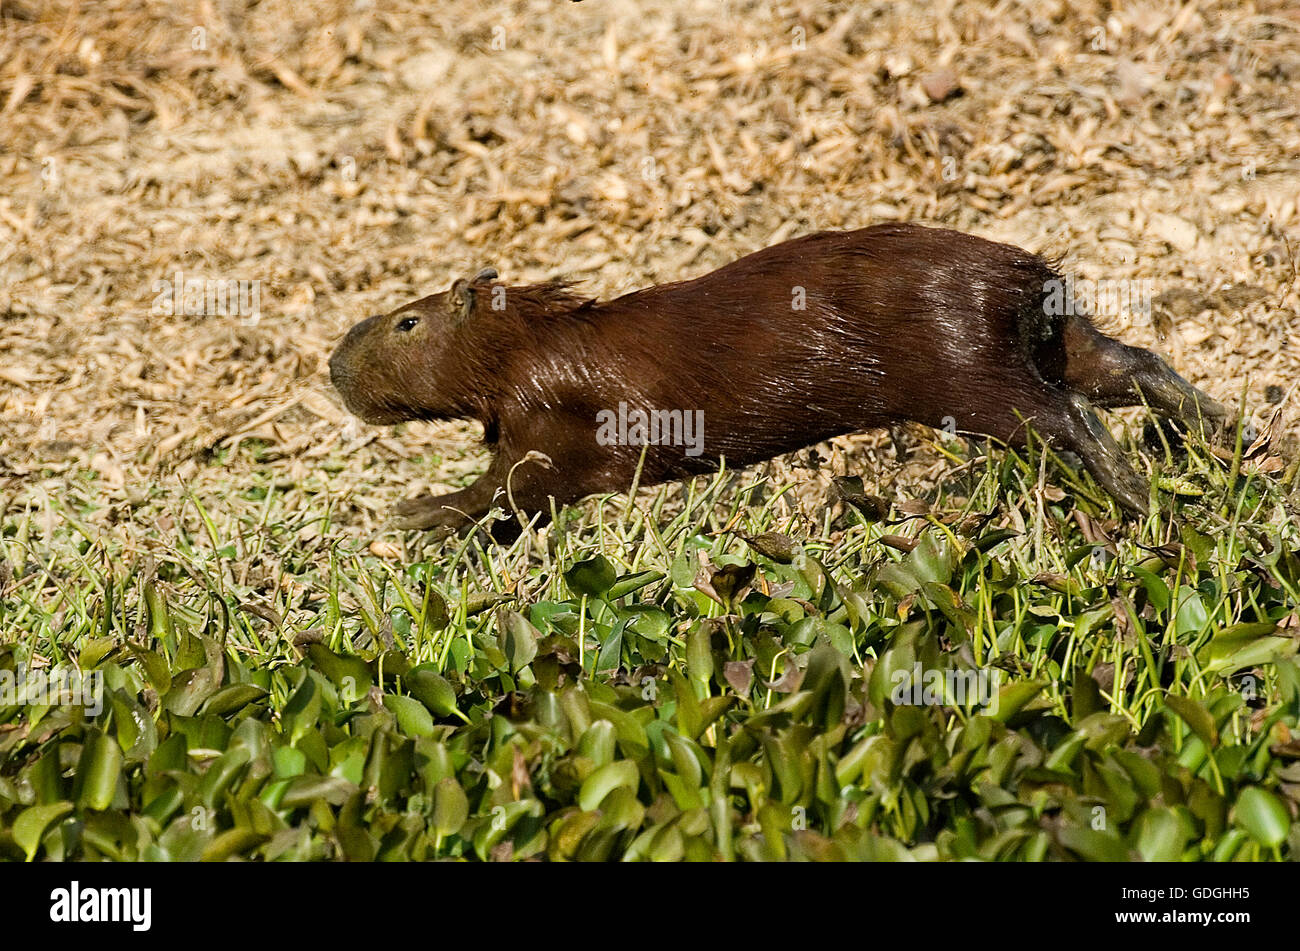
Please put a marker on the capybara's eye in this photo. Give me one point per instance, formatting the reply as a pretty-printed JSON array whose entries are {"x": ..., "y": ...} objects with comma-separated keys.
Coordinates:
[{"x": 406, "y": 324}]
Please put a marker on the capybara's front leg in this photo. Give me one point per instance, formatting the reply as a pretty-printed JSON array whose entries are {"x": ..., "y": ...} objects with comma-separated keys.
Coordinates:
[
  {"x": 527, "y": 483},
  {"x": 453, "y": 510}
]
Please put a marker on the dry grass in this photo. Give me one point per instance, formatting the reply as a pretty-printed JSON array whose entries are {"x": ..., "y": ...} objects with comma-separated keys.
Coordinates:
[{"x": 351, "y": 156}]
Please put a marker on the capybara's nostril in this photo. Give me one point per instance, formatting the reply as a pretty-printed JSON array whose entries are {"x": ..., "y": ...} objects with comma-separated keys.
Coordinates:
[{"x": 338, "y": 369}]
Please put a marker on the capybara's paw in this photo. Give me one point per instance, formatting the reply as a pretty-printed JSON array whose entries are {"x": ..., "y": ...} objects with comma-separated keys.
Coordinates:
[
  {"x": 1249, "y": 433},
  {"x": 1216, "y": 424},
  {"x": 425, "y": 512},
  {"x": 1221, "y": 430},
  {"x": 414, "y": 506}
]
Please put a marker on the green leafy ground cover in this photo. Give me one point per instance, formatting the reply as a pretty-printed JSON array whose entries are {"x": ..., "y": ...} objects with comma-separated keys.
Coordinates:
[{"x": 645, "y": 683}]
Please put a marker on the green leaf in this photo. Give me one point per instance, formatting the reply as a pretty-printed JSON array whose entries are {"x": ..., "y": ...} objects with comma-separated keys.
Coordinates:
[
  {"x": 98, "y": 772},
  {"x": 632, "y": 582},
  {"x": 155, "y": 668},
  {"x": 232, "y": 842},
  {"x": 160, "y": 622},
  {"x": 1157, "y": 591},
  {"x": 433, "y": 610},
  {"x": 412, "y": 717},
  {"x": 1085, "y": 697},
  {"x": 194, "y": 685},
  {"x": 709, "y": 710},
  {"x": 1092, "y": 845},
  {"x": 132, "y": 723},
  {"x": 611, "y": 649},
  {"x": 647, "y": 621},
  {"x": 1263, "y": 815},
  {"x": 302, "y": 711},
  {"x": 350, "y": 674},
  {"x": 1202, "y": 545},
  {"x": 29, "y": 828},
  {"x": 289, "y": 762},
  {"x": 1013, "y": 697},
  {"x": 933, "y": 559},
  {"x": 221, "y": 774},
  {"x": 517, "y": 638},
  {"x": 1196, "y": 716},
  {"x": 621, "y": 772},
  {"x": 1191, "y": 616},
  {"x": 699, "y": 657},
  {"x": 593, "y": 577},
  {"x": 306, "y": 790},
  {"x": 996, "y": 537},
  {"x": 433, "y": 690},
  {"x": 682, "y": 570},
  {"x": 450, "y": 807},
  {"x": 94, "y": 650},
  {"x": 597, "y": 743},
  {"x": 231, "y": 699},
  {"x": 1243, "y": 645},
  {"x": 1161, "y": 835}
]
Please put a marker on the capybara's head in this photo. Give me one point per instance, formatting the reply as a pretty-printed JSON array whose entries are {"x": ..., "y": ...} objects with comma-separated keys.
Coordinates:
[{"x": 393, "y": 367}]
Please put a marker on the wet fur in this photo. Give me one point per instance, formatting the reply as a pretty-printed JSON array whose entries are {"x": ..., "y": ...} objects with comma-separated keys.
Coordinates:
[{"x": 901, "y": 322}]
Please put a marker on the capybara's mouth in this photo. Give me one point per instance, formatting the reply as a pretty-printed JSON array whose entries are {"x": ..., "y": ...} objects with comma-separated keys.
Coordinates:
[
  {"x": 381, "y": 417},
  {"x": 376, "y": 414},
  {"x": 355, "y": 399}
]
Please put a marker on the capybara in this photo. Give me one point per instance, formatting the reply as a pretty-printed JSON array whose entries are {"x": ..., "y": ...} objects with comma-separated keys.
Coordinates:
[{"x": 816, "y": 337}]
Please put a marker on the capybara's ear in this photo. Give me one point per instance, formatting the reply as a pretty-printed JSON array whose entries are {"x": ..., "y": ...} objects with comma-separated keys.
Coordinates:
[
  {"x": 462, "y": 299},
  {"x": 462, "y": 292}
]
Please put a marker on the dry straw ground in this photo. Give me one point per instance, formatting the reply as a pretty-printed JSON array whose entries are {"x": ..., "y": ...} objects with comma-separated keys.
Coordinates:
[{"x": 350, "y": 156}]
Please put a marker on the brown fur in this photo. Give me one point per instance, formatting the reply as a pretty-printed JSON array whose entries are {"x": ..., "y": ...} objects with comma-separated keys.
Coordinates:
[{"x": 900, "y": 322}]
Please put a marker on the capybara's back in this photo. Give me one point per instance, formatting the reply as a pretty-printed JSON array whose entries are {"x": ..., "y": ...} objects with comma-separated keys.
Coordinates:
[{"x": 832, "y": 333}]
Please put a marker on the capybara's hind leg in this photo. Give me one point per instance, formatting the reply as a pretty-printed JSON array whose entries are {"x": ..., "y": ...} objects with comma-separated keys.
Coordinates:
[
  {"x": 1067, "y": 421},
  {"x": 1102, "y": 456},
  {"x": 1112, "y": 374}
]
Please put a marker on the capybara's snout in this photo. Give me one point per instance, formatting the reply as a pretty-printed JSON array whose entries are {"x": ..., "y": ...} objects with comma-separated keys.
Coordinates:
[
  {"x": 346, "y": 359},
  {"x": 351, "y": 373}
]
